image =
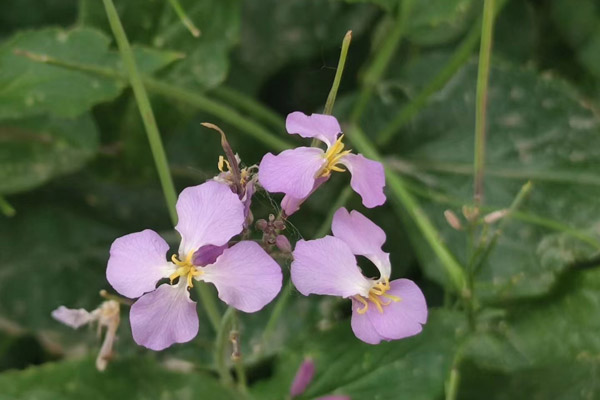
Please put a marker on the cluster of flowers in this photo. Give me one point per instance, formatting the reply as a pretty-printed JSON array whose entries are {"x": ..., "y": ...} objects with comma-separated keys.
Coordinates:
[{"x": 246, "y": 277}]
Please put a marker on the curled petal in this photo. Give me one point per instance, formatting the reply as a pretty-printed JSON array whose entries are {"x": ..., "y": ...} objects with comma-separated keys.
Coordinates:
[
  {"x": 291, "y": 204},
  {"x": 320, "y": 126},
  {"x": 71, "y": 317},
  {"x": 403, "y": 318},
  {"x": 327, "y": 266},
  {"x": 292, "y": 172},
  {"x": 208, "y": 214},
  {"x": 363, "y": 237},
  {"x": 137, "y": 262},
  {"x": 163, "y": 317},
  {"x": 246, "y": 277},
  {"x": 368, "y": 179}
]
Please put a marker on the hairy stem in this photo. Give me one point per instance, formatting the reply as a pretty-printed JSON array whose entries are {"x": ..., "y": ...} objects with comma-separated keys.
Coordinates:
[{"x": 222, "y": 339}]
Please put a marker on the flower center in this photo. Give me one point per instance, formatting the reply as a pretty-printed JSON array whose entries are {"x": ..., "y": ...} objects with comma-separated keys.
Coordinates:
[
  {"x": 333, "y": 156},
  {"x": 185, "y": 269},
  {"x": 378, "y": 296}
]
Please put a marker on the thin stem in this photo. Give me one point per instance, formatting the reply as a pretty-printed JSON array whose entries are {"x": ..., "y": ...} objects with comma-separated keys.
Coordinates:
[
  {"x": 379, "y": 65},
  {"x": 521, "y": 196},
  {"x": 209, "y": 303},
  {"x": 220, "y": 343},
  {"x": 483, "y": 75},
  {"x": 158, "y": 151},
  {"x": 6, "y": 208},
  {"x": 184, "y": 18},
  {"x": 405, "y": 201},
  {"x": 338, "y": 74},
  {"x": 139, "y": 91},
  {"x": 521, "y": 216},
  {"x": 251, "y": 106},
  {"x": 453, "y": 381},
  {"x": 456, "y": 61},
  {"x": 195, "y": 100},
  {"x": 238, "y": 361}
]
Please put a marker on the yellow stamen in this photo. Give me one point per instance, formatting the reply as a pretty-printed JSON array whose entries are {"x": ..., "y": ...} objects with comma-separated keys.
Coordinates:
[
  {"x": 333, "y": 157},
  {"x": 186, "y": 269},
  {"x": 222, "y": 164},
  {"x": 375, "y": 295}
]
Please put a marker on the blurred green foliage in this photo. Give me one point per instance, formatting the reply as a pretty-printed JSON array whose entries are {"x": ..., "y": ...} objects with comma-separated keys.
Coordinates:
[{"x": 76, "y": 167}]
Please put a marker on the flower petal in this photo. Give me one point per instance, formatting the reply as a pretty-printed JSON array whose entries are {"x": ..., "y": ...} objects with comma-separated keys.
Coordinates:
[
  {"x": 403, "y": 318},
  {"x": 208, "y": 254},
  {"x": 163, "y": 317},
  {"x": 320, "y": 126},
  {"x": 362, "y": 326},
  {"x": 246, "y": 277},
  {"x": 137, "y": 262},
  {"x": 363, "y": 237},
  {"x": 303, "y": 378},
  {"x": 71, "y": 317},
  {"x": 292, "y": 171},
  {"x": 291, "y": 204},
  {"x": 368, "y": 179},
  {"x": 208, "y": 214},
  {"x": 327, "y": 266}
]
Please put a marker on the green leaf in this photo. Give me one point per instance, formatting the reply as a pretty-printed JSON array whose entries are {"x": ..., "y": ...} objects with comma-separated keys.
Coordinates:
[
  {"x": 547, "y": 348},
  {"x": 51, "y": 257},
  {"x": 154, "y": 23},
  {"x": 537, "y": 130},
  {"x": 139, "y": 378},
  {"x": 344, "y": 365},
  {"x": 435, "y": 22},
  {"x": 33, "y": 88},
  {"x": 33, "y": 151}
]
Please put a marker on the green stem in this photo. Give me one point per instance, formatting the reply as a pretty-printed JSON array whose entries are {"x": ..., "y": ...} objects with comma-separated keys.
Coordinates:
[
  {"x": 238, "y": 361},
  {"x": 158, "y": 152},
  {"x": 220, "y": 346},
  {"x": 184, "y": 18},
  {"x": 338, "y": 74},
  {"x": 198, "y": 101},
  {"x": 379, "y": 65},
  {"x": 6, "y": 208},
  {"x": 251, "y": 106},
  {"x": 483, "y": 75},
  {"x": 521, "y": 216},
  {"x": 453, "y": 381},
  {"x": 209, "y": 303},
  {"x": 406, "y": 201},
  {"x": 456, "y": 61},
  {"x": 521, "y": 196}
]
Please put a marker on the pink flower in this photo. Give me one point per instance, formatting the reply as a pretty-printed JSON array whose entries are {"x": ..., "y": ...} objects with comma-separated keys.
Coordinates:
[
  {"x": 299, "y": 172},
  {"x": 304, "y": 377},
  {"x": 245, "y": 276},
  {"x": 381, "y": 310}
]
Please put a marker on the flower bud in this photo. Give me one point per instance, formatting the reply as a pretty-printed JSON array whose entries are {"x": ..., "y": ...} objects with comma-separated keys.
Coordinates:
[
  {"x": 303, "y": 377},
  {"x": 283, "y": 244},
  {"x": 495, "y": 216},
  {"x": 261, "y": 224},
  {"x": 452, "y": 220}
]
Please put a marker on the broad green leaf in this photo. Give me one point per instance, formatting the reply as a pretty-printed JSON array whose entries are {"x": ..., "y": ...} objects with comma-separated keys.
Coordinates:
[
  {"x": 413, "y": 368},
  {"x": 135, "y": 378},
  {"x": 546, "y": 348},
  {"x": 29, "y": 87},
  {"x": 51, "y": 257},
  {"x": 538, "y": 130},
  {"x": 35, "y": 150},
  {"x": 435, "y": 22},
  {"x": 154, "y": 23},
  {"x": 297, "y": 30}
]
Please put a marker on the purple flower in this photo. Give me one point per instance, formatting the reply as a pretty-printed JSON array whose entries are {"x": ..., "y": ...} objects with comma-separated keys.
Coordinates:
[
  {"x": 246, "y": 277},
  {"x": 381, "y": 310},
  {"x": 299, "y": 172},
  {"x": 304, "y": 377}
]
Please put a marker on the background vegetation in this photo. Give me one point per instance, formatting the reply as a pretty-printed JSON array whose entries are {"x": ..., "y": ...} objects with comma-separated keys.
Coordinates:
[{"x": 76, "y": 172}]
